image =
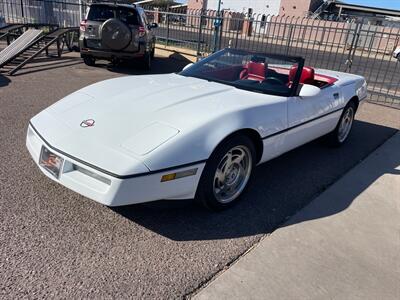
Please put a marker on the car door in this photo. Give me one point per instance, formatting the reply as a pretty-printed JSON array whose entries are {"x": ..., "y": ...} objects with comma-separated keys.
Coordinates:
[{"x": 310, "y": 117}]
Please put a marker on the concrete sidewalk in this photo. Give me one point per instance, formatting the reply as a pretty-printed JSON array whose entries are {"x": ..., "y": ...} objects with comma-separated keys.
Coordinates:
[{"x": 343, "y": 245}]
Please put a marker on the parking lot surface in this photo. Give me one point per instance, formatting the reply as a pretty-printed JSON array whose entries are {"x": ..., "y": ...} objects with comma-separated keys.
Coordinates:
[{"x": 56, "y": 243}]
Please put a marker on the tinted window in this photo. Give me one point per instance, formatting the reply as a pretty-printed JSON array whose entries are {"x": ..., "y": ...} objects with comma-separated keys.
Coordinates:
[
  {"x": 128, "y": 16},
  {"x": 100, "y": 13}
]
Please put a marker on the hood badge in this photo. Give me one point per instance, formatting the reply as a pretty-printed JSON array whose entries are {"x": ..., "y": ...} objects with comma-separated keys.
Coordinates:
[{"x": 87, "y": 123}]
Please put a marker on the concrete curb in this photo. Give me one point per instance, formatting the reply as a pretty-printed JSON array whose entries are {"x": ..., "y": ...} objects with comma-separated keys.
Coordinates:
[{"x": 344, "y": 244}]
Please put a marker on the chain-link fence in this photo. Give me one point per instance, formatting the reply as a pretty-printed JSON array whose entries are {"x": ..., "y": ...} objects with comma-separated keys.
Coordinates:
[{"x": 353, "y": 47}]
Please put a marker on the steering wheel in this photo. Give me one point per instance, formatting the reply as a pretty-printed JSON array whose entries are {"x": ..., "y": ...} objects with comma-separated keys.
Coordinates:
[{"x": 273, "y": 80}]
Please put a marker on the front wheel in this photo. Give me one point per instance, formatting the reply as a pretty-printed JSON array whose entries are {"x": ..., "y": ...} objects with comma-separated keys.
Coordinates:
[
  {"x": 89, "y": 61},
  {"x": 227, "y": 173},
  {"x": 344, "y": 126}
]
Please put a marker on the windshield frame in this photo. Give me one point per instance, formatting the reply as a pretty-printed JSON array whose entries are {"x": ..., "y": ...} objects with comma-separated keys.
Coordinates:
[{"x": 294, "y": 89}]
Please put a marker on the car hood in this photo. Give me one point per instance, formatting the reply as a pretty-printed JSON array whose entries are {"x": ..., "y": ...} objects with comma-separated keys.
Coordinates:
[{"x": 132, "y": 116}]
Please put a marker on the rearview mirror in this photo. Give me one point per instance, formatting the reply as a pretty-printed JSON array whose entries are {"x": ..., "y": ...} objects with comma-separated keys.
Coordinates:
[
  {"x": 153, "y": 25},
  {"x": 308, "y": 90},
  {"x": 187, "y": 66}
]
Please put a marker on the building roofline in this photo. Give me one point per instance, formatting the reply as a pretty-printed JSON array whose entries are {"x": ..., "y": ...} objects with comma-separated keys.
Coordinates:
[{"x": 377, "y": 10}]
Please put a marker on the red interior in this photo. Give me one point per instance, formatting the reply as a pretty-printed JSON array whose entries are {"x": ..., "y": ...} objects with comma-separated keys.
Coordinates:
[
  {"x": 307, "y": 75},
  {"x": 254, "y": 71},
  {"x": 325, "y": 78},
  {"x": 258, "y": 71}
]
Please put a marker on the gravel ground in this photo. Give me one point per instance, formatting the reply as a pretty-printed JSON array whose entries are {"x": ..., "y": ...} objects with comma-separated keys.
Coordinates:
[{"x": 56, "y": 243}]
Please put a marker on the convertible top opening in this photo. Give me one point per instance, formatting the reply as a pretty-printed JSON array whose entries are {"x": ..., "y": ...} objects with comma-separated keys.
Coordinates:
[{"x": 266, "y": 73}]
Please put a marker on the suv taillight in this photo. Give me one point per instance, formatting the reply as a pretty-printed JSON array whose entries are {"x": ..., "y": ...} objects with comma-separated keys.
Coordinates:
[
  {"x": 142, "y": 32},
  {"x": 83, "y": 25}
]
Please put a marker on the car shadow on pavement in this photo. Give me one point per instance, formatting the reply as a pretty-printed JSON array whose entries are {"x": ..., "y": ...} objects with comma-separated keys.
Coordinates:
[
  {"x": 160, "y": 65},
  {"x": 4, "y": 81},
  {"x": 279, "y": 189},
  {"x": 48, "y": 63}
]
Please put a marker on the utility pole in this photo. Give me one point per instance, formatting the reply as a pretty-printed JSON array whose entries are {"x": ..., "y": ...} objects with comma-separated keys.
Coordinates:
[{"x": 217, "y": 25}]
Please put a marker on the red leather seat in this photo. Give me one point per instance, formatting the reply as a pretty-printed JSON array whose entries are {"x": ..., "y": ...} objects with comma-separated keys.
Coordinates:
[
  {"x": 254, "y": 71},
  {"x": 307, "y": 75}
]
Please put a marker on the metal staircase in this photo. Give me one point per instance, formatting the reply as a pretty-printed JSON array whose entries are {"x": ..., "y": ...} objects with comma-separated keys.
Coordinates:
[
  {"x": 25, "y": 54},
  {"x": 7, "y": 31},
  {"x": 316, "y": 14}
]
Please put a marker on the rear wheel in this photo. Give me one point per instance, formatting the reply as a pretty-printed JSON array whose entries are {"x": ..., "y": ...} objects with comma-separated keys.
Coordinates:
[
  {"x": 89, "y": 60},
  {"x": 146, "y": 61},
  {"x": 227, "y": 173},
  {"x": 339, "y": 136}
]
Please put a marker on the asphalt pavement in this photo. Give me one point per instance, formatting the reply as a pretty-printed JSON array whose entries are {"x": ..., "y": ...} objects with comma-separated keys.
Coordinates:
[
  {"x": 56, "y": 243},
  {"x": 343, "y": 245}
]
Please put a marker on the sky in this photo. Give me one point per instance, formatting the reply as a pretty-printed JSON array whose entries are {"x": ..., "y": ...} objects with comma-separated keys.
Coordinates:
[{"x": 393, "y": 4}]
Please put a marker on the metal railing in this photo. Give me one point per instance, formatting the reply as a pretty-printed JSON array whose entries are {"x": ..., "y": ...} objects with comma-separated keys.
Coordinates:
[
  {"x": 342, "y": 46},
  {"x": 56, "y": 12}
]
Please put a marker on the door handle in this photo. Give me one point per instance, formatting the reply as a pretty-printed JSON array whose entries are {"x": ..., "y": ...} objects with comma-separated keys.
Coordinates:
[{"x": 336, "y": 95}]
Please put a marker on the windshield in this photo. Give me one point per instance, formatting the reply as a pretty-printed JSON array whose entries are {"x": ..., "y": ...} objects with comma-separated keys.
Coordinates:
[{"x": 266, "y": 73}]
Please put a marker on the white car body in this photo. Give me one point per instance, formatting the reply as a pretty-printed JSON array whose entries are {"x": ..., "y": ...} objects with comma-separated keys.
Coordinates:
[
  {"x": 152, "y": 125},
  {"x": 396, "y": 53}
]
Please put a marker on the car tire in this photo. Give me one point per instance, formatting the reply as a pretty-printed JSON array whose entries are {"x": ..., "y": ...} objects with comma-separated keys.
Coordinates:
[
  {"x": 89, "y": 61},
  {"x": 146, "y": 61},
  {"x": 227, "y": 173},
  {"x": 115, "y": 34},
  {"x": 342, "y": 130}
]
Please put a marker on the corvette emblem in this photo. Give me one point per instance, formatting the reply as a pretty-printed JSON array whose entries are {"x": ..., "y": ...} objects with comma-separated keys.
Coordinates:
[{"x": 87, "y": 123}]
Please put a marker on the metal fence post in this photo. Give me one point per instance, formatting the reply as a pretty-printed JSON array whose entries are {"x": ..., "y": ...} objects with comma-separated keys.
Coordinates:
[
  {"x": 22, "y": 11},
  {"x": 221, "y": 29},
  {"x": 289, "y": 39},
  {"x": 199, "y": 34},
  {"x": 167, "y": 15},
  {"x": 237, "y": 35},
  {"x": 353, "y": 47}
]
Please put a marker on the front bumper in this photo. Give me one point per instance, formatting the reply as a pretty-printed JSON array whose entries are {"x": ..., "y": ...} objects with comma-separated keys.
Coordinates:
[{"x": 112, "y": 191}]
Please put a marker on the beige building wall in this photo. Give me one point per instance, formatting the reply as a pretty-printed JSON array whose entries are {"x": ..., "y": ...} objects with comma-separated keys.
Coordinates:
[
  {"x": 197, "y": 4},
  {"x": 298, "y": 8}
]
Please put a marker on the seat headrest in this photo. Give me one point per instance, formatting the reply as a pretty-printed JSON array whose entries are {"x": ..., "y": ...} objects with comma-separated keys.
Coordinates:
[
  {"x": 254, "y": 71},
  {"x": 307, "y": 74}
]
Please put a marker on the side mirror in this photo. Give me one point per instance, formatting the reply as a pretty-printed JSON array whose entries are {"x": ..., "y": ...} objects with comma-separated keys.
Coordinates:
[
  {"x": 153, "y": 25},
  {"x": 308, "y": 90},
  {"x": 187, "y": 66}
]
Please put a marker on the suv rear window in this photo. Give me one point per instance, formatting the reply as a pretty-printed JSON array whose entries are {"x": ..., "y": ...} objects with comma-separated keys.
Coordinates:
[{"x": 102, "y": 13}]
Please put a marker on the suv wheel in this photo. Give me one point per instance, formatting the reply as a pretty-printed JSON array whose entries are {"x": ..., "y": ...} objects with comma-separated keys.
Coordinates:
[
  {"x": 89, "y": 60},
  {"x": 146, "y": 61}
]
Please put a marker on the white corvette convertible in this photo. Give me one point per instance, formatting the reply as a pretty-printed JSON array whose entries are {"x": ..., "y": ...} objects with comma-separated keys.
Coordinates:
[{"x": 196, "y": 134}]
